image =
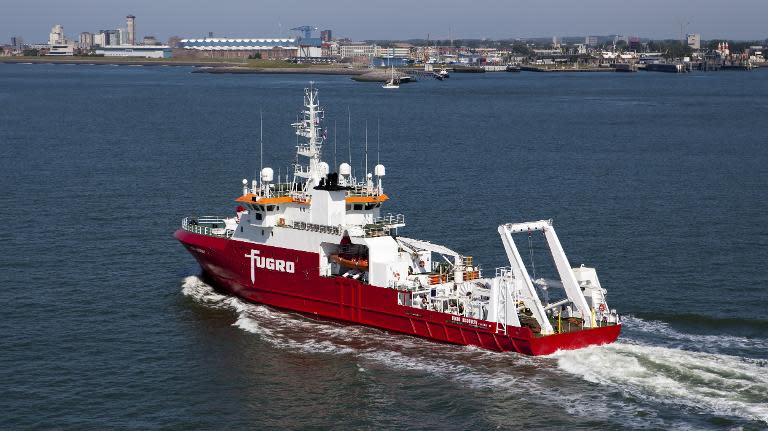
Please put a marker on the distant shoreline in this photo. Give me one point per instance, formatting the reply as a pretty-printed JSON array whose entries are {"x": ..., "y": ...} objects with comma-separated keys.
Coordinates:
[
  {"x": 120, "y": 61},
  {"x": 255, "y": 67}
]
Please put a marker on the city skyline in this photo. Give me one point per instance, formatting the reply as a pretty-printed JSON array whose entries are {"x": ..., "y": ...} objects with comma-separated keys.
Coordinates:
[{"x": 396, "y": 20}]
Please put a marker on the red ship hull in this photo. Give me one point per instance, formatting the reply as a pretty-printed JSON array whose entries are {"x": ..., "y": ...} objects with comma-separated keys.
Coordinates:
[{"x": 226, "y": 263}]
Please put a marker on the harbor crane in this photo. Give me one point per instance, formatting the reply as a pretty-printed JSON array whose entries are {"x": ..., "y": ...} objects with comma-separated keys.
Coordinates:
[{"x": 306, "y": 30}]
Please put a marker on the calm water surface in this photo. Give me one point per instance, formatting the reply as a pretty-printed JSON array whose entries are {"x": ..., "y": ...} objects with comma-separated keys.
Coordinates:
[{"x": 660, "y": 181}]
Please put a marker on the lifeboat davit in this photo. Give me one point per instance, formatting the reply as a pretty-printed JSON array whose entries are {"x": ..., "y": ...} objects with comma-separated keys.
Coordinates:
[{"x": 350, "y": 261}]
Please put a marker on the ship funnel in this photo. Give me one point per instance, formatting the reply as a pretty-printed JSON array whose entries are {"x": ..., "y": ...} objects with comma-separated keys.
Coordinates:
[
  {"x": 267, "y": 175},
  {"x": 379, "y": 171},
  {"x": 345, "y": 169}
]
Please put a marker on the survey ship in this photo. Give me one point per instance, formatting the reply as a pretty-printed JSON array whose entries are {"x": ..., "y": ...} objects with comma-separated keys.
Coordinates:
[{"x": 317, "y": 242}]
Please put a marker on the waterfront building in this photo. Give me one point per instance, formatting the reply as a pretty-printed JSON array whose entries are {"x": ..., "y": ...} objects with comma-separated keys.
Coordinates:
[
  {"x": 86, "y": 41},
  {"x": 114, "y": 37},
  {"x": 272, "y": 48},
  {"x": 141, "y": 51},
  {"x": 150, "y": 40},
  {"x": 99, "y": 39},
  {"x": 756, "y": 54},
  {"x": 326, "y": 36},
  {"x": 62, "y": 49},
  {"x": 109, "y": 38},
  {"x": 122, "y": 37},
  {"x": 174, "y": 41},
  {"x": 17, "y": 43},
  {"x": 56, "y": 37},
  {"x": 359, "y": 50},
  {"x": 591, "y": 41},
  {"x": 395, "y": 52},
  {"x": 131, "y": 23},
  {"x": 694, "y": 41},
  {"x": 58, "y": 45}
]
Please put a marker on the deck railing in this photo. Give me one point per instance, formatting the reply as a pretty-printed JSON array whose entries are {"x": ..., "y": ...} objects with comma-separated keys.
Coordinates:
[
  {"x": 198, "y": 226},
  {"x": 311, "y": 227}
]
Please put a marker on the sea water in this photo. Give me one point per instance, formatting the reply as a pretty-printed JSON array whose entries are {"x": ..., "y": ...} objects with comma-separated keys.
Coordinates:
[{"x": 659, "y": 181}]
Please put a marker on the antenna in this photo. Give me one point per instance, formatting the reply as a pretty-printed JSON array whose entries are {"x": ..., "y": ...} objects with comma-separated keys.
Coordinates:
[
  {"x": 335, "y": 164},
  {"x": 261, "y": 143},
  {"x": 366, "y": 149},
  {"x": 349, "y": 135},
  {"x": 683, "y": 23},
  {"x": 378, "y": 136}
]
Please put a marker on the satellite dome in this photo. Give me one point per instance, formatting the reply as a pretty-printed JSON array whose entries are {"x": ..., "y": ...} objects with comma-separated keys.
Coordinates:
[
  {"x": 267, "y": 175},
  {"x": 345, "y": 169},
  {"x": 323, "y": 167}
]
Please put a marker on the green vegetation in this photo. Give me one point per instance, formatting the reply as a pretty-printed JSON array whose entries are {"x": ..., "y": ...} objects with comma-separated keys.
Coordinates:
[{"x": 670, "y": 48}]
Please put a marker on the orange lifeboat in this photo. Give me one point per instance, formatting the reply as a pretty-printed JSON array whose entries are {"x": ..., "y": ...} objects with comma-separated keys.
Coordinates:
[{"x": 350, "y": 261}]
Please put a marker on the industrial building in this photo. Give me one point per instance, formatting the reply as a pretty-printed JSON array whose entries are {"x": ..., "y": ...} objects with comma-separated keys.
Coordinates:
[{"x": 272, "y": 48}]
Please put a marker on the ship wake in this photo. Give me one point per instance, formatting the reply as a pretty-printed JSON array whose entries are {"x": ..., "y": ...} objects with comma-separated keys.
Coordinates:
[
  {"x": 722, "y": 384},
  {"x": 634, "y": 376}
]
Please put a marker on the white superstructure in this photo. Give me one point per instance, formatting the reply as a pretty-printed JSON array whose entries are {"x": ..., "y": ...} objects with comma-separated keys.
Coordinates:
[{"x": 339, "y": 217}]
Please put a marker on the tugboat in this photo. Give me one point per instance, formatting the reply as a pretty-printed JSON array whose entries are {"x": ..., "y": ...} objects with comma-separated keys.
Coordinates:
[{"x": 318, "y": 243}]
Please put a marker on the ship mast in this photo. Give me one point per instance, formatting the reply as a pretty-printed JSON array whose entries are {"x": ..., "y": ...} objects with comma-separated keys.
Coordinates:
[{"x": 309, "y": 128}]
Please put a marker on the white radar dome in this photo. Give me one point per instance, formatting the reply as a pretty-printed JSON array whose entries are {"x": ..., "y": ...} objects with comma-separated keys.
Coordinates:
[
  {"x": 323, "y": 167},
  {"x": 345, "y": 169},
  {"x": 379, "y": 170},
  {"x": 267, "y": 175},
  {"x": 245, "y": 182}
]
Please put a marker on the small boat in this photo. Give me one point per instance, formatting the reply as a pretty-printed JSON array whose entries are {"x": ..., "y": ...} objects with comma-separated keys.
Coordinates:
[
  {"x": 392, "y": 83},
  {"x": 355, "y": 262},
  {"x": 443, "y": 74}
]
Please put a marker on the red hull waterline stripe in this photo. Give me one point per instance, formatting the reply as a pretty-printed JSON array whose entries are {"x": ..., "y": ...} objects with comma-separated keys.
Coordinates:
[{"x": 289, "y": 279}]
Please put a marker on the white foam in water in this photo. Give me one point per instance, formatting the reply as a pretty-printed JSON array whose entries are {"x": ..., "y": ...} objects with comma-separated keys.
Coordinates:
[
  {"x": 716, "y": 383},
  {"x": 707, "y": 343},
  {"x": 725, "y": 385}
]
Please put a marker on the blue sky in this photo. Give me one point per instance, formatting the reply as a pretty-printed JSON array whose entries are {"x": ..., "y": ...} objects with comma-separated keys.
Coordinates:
[{"x": 392, "y": 19}]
